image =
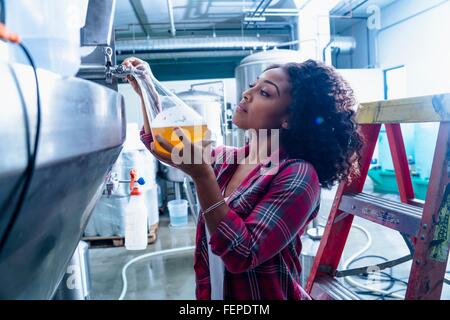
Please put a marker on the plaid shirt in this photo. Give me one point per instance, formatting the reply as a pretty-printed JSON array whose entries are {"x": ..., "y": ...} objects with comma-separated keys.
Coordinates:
[{"x": 259, "y": 239}]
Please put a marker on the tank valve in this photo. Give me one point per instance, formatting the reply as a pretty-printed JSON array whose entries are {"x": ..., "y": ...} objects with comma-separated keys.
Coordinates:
[{"x": 118, "y": 71}]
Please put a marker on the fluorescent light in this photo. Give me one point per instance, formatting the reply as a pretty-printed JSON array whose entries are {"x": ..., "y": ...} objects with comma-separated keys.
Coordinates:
[{"x": 254, "y": 19}]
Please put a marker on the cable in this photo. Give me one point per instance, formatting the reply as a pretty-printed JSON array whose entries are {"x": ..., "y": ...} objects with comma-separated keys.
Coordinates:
[
  {"x": 2, "y": 12},
  {"x": 391, "y": 283},
  {"x": 26, "y": 120},
  {"x": 31, "y": 165},
  {"x": 147, "y": 255},
  {"x": 355, "y": 256}
]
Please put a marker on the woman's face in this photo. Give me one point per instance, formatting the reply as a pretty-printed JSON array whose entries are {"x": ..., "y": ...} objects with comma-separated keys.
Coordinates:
[{"x": 265, "y": 103}]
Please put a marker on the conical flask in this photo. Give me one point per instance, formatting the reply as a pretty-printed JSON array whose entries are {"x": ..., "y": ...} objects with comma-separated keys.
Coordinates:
[{"x": 166, "y": 111}]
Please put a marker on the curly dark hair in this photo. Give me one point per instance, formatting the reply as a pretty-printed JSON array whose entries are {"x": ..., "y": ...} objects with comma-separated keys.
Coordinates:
[{"x": 323, "y": 130}]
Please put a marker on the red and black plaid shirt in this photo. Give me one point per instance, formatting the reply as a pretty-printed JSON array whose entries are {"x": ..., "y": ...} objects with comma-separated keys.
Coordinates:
[{"x": 259, "y": 239}]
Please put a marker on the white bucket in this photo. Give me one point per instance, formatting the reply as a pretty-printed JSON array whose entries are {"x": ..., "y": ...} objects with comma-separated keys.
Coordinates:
[{"x": 178, "y": 212}]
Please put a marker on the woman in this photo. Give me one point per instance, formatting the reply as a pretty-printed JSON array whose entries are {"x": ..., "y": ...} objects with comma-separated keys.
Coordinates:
[{"x": 248, "y": 235}]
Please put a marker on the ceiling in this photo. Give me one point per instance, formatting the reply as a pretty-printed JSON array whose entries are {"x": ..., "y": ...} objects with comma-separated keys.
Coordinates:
[
  {"x": 202, "y": 38},
  {"x": 159, "y": 26},
  {"x": 150, "y": 18},
  {"x": 348, "y": 12}
]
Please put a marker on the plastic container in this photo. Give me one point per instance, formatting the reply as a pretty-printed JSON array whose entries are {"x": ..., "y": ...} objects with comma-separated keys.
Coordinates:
[
  {"x": 136, "y": 232},
  {"x": 4, "y": 51},
  {"x": 151, "y": 194},
  {"x": 178, "y": 212},
  {"x": 50, "y": 29}
]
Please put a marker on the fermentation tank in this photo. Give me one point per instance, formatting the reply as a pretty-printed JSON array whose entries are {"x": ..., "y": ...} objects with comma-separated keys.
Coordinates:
[
  {"x": 209, "y": 106},
  {"x": 82, "y": 132}
]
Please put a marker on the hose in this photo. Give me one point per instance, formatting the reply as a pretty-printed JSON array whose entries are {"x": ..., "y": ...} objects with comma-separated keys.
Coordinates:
[
  {"x": 144, "y": 256},
  {"x": 354, "y": 257},
  {"x": 12, "y": 37},
  {"x": 2, "y": 12}
]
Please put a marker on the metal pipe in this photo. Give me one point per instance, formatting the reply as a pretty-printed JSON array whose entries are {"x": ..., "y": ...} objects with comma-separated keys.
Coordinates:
[
  {"x": 185, "y": 44},
  {"x": 257, "y": 8},
  {"x": 173, "y": 31},
  {"x": 186, "y": 54},
  {"x": 281, "y": 14},
  {"x": 289, "y": 43},
  {"x": 176, "y": 186},
  {"x": 324, "y": 51},
  {"x": 273, "y": 10},
  {"x": 139, "y": 12},
  {"x": 260, "y": 13}
]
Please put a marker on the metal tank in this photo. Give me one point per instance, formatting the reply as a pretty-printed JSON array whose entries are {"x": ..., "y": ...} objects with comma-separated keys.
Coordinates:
[
  {"x": 76, "y": 283},
  {"x": 210, "y": 106},
  {"x": 83, "y": 129},
  {"x": 251, "y": 67}
]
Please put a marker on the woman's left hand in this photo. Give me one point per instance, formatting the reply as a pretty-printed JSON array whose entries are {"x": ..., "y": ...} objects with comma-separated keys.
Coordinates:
[{"x": 193, "y": 159}]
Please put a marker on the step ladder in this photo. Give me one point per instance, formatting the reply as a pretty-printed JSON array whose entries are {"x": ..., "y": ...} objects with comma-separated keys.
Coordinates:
[{"x": 425, "y": 225}]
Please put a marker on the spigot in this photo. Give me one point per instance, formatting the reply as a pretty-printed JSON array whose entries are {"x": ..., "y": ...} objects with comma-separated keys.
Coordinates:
[
  {"x": 108, "y": 64},
  {"x": 118, "y": 71},
  {"x": 122, "y": 71},
  {"x": 135, "y": 190},
  {"x": 112, "y": 183}
]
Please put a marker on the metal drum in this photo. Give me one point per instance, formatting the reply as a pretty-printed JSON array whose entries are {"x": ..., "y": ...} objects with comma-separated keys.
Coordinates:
[{"x": 83, "y": 129}]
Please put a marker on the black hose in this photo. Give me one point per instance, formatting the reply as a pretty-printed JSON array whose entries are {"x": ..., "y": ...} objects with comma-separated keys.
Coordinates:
[
  {"x": 388, "y": 275},
  {"x": 2, "y": 12},
  {"x": 31, "y": 165}
]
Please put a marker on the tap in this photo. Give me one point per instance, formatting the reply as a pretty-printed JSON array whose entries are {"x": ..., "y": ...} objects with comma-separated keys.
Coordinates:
[
  {"x": 118, "y": 71},
  {"x": 108, "y": 64}
]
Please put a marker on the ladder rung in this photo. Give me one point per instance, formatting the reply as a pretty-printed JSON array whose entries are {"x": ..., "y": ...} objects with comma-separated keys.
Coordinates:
[
  {"x": 328, "y": 288},
  {"x": 402, "y": 217},
  {"x": 408, "y": 110}
]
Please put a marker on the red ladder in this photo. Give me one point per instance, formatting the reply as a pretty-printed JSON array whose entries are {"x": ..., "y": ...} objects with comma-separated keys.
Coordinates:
[{"x": 426, "y": 224}]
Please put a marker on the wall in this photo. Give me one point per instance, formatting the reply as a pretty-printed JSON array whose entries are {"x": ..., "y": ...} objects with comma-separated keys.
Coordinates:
[
  {"x": 421, "y": 43},
  {"x": 414, "y": 33}
]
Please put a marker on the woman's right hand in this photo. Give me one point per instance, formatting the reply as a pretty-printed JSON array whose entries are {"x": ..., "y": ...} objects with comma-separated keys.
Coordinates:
[{"x": 134, "y": 62}]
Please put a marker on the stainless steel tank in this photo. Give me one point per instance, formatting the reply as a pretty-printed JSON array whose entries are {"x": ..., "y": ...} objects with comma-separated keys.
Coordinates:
[
  {"x": 76, "y": 283},
  {"x": 251, "y": 67},
  {"x": 83, "y": 129}
]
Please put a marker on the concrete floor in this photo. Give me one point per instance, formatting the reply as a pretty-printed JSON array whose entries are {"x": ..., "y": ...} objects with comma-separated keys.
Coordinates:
[
  {"x": 172, "y": 276},
  {"x": 165, "y": 277}
]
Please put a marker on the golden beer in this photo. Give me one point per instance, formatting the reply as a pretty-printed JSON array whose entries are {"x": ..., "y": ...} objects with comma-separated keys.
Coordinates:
[{"x": 194, "y": 133}]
